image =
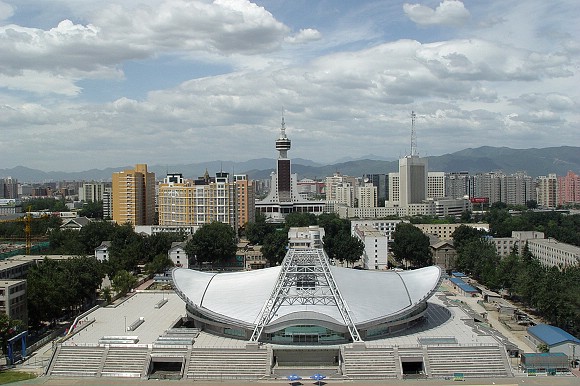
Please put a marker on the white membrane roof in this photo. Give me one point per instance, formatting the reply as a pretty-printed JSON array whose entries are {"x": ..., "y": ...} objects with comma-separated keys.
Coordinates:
[{"x": 370, "y": 295}]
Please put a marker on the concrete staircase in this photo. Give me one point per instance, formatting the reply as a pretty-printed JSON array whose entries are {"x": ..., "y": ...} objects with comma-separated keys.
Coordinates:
[
  {"x": 471, "y": 361},
  {"x": 128, "y": 362},
  {"x": 370, "y": 363},
  {"x": 77, "y": 361},
  {"x": 223, "y": 364}
]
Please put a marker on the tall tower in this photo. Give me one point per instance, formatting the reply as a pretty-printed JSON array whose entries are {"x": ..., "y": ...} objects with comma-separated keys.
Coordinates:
[
  {"x": 283, "y": 171},
  {"x": 283, "y": 197}
]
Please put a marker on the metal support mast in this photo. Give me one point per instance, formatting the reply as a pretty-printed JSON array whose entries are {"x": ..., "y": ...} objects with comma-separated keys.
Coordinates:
[
  {"x": 413, "y": 135},
  {"x": 305, "y": 278}
]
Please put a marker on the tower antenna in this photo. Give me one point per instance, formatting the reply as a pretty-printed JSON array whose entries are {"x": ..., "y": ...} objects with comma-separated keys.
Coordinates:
[{"x": 413, "y": 135}]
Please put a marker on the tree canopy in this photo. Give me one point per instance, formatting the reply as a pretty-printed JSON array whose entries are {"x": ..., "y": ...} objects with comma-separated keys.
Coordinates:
[
  {"x": 58, "y": 287},
  {"x": 411, "y": 245},
  {"x": 8, "y": 328},
  {"x": 344, "y": 247},
  {"x": 275, "y": 247},
  {"x": 92, "y": 209},
  {"x": 213, "y": 243}
]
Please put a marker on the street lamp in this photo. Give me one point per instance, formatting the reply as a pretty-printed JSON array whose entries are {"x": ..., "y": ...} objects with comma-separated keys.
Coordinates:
[{"x": 125, "y": 325}]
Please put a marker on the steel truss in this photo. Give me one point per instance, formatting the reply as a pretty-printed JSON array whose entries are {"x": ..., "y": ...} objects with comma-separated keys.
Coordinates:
[{"x": 305, "y": 278}]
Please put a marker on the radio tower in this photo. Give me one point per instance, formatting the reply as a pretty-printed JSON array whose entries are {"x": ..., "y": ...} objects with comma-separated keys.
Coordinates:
[{"x": 414, "y": 152}]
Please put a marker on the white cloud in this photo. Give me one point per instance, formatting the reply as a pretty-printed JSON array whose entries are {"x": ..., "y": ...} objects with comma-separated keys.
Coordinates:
[
  {"x": 40, "y": 83},
  {"x": 118, "y": 34},
  {"x": 6, "y": 11},
  {"x": 347, "y": 88},
  {"x": 304, "y": 36},
  {"x": 448, "y": 13}
]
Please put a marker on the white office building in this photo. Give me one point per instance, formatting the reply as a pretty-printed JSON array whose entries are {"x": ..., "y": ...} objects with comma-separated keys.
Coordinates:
[{"x": 375, "y": 255}]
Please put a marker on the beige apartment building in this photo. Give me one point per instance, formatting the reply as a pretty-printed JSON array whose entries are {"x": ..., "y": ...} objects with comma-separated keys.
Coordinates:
[
  {"x": 183, "y": 202},
  {"x": 133, "y": 196},
  {"x": 246, "y": 199}
]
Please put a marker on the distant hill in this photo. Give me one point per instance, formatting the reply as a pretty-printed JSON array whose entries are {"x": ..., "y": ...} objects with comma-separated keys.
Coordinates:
[{"x": 535, "y": 162}]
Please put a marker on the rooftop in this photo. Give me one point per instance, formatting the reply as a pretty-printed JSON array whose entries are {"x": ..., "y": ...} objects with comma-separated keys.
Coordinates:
[{"x": 552, "y": 335}]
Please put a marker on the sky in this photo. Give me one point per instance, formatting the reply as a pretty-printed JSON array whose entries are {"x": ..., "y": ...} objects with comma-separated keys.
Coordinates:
[{"x": 97, "y": 84}]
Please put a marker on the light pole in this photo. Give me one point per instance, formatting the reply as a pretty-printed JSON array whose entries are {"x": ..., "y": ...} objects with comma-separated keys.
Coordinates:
[{"x": 125, "y": 331}]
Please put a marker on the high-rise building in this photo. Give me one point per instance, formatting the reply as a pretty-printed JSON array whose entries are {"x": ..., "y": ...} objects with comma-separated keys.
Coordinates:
[
  {"x": 186, "y": 203},
  {"x": 92, "y": 192},
  {"x": 569, "y": 189},
  {"x": 436, "y": 185},
  {"x": 283, "y": 197},
  {"x": 336, "y": 185},
  {"x": 412, "y": 180},
  {"x": 108, "y": 203},
  {"x": 512, "y": 189},
  {"x": 394, "y": 188},
  {"x": 381, "y": 181},
  {"x": 547, "y": 191},
  {"x": 366, "y": 195},
  {"x": 9, "y": 187},
  {"x": 459, "y": 184},
  {"x": 133, "y": 194},
  {"x": 246, "y": 199}
]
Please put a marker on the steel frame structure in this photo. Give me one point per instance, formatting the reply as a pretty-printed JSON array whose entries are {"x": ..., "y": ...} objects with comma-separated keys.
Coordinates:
[{"x": 305, "y": 278}]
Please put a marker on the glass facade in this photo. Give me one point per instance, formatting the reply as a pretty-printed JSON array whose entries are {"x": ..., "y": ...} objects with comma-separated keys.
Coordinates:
[{"x": 305, "y": 334}]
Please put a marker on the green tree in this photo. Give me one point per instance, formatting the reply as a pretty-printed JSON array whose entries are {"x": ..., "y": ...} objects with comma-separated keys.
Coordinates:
[
  {"x": 256, "y": 231},
  {"x": 59, "y": 287},
  {"x": 159, "y": 243},
  {"x": 107, "y": 294},
  {"x": 347, "y": 248},
  {"x": 92, "y": 209},
  {"x": 464, "y": 234},
  {"x": 332, "y": 224},
  {"x": 47, "y": 291},
  {"x": 50, "y": 204},
  {"x": 213, "y": 243},
  {"x": 123, "y": 282},
  {"x": 159, "y": 264},
  {"x": 410, "y": 244},
  {"x": 127, "y": 249},
  {"x": 8, "y": 328},
  {"x": 275, "y": 247},
  {"x": 296, "y": 219}
]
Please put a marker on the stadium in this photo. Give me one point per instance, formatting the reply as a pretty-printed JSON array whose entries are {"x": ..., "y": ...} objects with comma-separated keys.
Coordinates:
[
  {"x": 306, "y": 300},
  {"x": 303, "y": 317}
]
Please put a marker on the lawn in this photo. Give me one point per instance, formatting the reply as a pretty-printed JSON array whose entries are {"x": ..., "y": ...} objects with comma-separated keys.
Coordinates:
[{"x": 10, "y": 376}]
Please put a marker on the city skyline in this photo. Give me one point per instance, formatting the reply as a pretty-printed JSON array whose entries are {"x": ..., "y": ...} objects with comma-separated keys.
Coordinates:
[{"x": 173, "y": 82}]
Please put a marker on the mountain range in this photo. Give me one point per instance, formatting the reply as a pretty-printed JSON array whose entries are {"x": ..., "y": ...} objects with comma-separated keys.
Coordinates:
[{"x": 534, "y": 162}]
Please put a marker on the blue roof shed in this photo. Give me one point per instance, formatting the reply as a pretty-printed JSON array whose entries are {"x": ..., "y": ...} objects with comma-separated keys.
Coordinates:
[
  {"x": 552, "y": 335},
  {"x": 463, "y": 285}
]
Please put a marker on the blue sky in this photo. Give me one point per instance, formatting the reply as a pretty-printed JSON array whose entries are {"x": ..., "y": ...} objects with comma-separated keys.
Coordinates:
[{"x": 102, "y": 84}]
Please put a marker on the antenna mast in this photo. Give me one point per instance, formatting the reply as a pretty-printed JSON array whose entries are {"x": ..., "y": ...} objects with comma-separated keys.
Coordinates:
[{"x": 413, "y": 135}]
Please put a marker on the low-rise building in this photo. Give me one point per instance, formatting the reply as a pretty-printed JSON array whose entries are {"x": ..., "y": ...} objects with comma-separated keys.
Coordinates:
[
  {"x": 445, "y": 231},
  {"x": 75, "y": 224},
  {"x": 556, "y": 339},
  {"x": 13, "y": 300},
  {"x": 177, "y": 255},
  {"x": 375, "y": 254},
  {"x": 549, "y": 252},
  {"x": 444, "y": 254},
  {"x": 251, "y": 255},
  {"x": 102, "y": 251},
  {"x": 305, "y": 237}
]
